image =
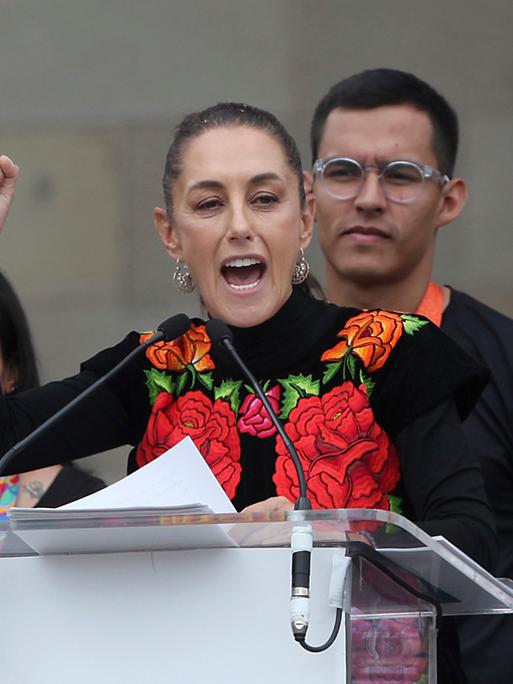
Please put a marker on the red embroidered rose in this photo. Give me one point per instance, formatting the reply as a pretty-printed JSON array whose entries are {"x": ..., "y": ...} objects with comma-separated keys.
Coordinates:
[
  {"x": 349, "y": 462},
  {"x": 371, "y": 335},
  {"x": 211, "y": 425},
  {"x": 387, "y": 650},
  {"x": 254, "y": 418},
  {"x": 191, "y": 349}
]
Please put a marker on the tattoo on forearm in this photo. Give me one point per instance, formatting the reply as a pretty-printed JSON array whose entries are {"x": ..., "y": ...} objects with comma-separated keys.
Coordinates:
[{"x": 34, "y": 489}]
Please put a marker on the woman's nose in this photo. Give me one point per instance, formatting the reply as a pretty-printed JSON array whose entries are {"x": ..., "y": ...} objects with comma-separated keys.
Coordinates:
[{"x": 239, "y": 224}]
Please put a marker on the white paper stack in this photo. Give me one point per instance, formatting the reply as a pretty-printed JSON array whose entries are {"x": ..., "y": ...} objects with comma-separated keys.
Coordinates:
[{"x": 135, "y": 513}]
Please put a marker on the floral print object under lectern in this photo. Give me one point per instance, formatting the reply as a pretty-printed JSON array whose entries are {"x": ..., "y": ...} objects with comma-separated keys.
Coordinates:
[{"x": 393, "y": 635}]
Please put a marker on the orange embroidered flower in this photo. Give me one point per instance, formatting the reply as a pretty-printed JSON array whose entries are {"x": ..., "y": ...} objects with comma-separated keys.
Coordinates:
[
  {"x": 191, "y": 349},
  {"x": 371, "y": 335}
]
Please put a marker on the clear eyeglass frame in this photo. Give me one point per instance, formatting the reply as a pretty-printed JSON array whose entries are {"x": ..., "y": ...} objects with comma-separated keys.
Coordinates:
[{"x": 401, "y": 180}]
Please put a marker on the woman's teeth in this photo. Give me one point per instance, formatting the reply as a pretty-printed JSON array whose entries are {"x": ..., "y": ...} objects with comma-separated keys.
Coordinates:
[
  {"x": 243, "y": 273},
  {"x": 240, "y": 262},
  {"x": 244, "y": 287}
]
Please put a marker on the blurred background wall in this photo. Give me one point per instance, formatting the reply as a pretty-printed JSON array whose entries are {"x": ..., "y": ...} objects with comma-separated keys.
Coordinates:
[{"x": 90, "y": 92}]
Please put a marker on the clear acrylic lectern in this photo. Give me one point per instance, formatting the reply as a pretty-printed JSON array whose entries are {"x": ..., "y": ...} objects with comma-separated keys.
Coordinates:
[{"x": 144, "y": 595}]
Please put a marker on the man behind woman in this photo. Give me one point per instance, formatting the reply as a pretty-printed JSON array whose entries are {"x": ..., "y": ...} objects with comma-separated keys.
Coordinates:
[{"x": 379, "y": 236}]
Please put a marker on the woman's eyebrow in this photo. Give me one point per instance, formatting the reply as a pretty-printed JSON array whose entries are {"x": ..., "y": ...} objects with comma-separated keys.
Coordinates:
[
  {"x": 261, "y": 177},
  {"x": 206, "y": 184},
  {"x": 254, "y": 180}
]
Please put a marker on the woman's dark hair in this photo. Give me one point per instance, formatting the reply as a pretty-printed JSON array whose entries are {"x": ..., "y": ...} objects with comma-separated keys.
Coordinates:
[
  {"x": 380, "y": 87},
  {"x": 219, "y": 116},
  {"x": 234, "y": 114},
  {"x": 16, "y": 345}
]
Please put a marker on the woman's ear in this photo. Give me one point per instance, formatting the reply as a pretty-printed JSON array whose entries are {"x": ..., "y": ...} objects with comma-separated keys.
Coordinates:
[
  {"x": 308, "y": 181},
  {"x": 309, "y": 189},
  {"x": 307, "y": 221},
  {"x": 167, "y": 233}
]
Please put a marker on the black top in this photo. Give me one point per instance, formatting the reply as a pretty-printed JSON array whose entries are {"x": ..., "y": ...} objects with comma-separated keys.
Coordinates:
[
  {"x": 371, "y": 400},
  {"x": 488, "y": 336}
]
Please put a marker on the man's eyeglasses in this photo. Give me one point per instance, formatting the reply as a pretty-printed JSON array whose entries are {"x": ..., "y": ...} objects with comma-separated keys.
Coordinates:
[{"x": 402, "y": 181}]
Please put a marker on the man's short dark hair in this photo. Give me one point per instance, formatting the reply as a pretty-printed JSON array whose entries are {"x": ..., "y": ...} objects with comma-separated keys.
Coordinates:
[{"x": 380, "y": 87}]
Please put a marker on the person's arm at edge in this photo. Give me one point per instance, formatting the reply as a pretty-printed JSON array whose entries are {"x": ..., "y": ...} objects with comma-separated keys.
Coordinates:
[
  {"x": 444, "y": 483},
  {"x": 112, "y": 416},
  {"x": 8, "y": 177}
]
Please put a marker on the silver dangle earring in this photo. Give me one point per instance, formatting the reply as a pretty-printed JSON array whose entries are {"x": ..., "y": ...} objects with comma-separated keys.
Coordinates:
[
  {"x": 182, "y": 278},
  {"x": 301, "y": 269}
]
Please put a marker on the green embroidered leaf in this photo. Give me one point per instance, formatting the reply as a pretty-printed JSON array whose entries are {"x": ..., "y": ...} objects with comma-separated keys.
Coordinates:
[
  {"x": 229, "y": 389},
  {"x": 193, "y": 373},
  {"x": 368, "y": 382},
  {"x": 206, "y": 379},
  {"x": 412, "y": 323},
  {"x": 350, "y": 364},
  {"x": 330, "y": 372},
  {"x": 289, "y": 400},
  {"x": 295, "y": 387},
  {"x": 306, "y": 384},
  {"x": 158, "y": 382},
  {"x": 181, "y": 382},
  {"x": 226, "y": 389},
  {"x": 396, "y": 504}
]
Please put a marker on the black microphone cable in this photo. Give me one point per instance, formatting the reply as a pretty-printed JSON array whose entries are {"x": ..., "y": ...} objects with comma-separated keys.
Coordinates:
[
  {"x": 220, "y": 334},
  {"x": 301, "y": 542},
  {"x": 170, "y": 329}
]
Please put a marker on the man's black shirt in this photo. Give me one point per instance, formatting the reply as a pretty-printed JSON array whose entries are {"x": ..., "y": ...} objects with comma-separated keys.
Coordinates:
[{"x": 487, "y": 642}]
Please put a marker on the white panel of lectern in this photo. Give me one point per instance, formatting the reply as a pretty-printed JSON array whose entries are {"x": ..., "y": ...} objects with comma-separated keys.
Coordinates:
[{"x": 142, "y": 595}]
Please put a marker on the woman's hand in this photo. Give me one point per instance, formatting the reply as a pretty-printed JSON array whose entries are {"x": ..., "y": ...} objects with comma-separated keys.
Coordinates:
[
  {"x": 8, "y": 175},
  {"x": 271, "y": 505},
  {"x": 264, "y": 533}
]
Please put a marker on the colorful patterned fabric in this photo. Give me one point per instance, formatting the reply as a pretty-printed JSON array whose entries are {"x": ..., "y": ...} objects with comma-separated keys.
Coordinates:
[
  {"x": 9, "y": 489},
  {"x": 344, "y": 382},
  {"x": 348, "y": 459}
]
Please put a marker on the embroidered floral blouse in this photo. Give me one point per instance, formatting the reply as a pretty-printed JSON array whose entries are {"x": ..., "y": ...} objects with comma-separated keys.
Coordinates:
[
  {"x": 348, "y": 459},
  {"x": 360, "y": 395}
]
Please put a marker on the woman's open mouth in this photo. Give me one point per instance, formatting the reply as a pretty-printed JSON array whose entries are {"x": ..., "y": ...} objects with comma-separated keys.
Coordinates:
[{"x": 243, "y": 273}]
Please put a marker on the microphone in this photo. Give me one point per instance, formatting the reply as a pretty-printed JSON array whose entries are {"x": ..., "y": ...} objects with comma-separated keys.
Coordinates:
[
  {"x": 168, "y": 330},
  {"x": 221, "y": 335},
  {"x": 301, "y": 541}
]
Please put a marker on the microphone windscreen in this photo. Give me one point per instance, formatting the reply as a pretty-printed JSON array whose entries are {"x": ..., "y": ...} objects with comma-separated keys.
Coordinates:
[
  {"x": 218, "y": 331},
  {"x": 175, "y": 326}
]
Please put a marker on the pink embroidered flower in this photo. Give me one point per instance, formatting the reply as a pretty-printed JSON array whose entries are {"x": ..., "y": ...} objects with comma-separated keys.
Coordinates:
[{"x": 254, "y": 418}]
